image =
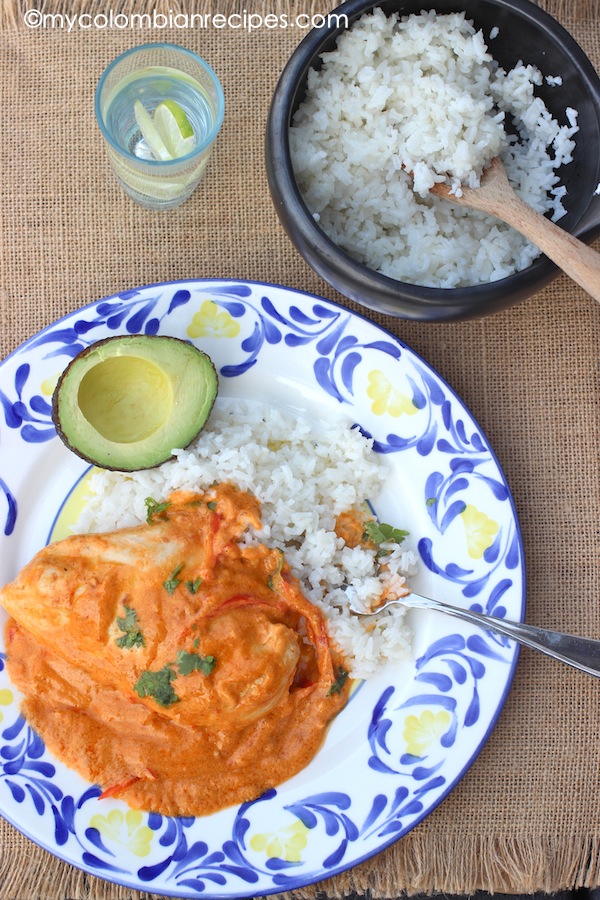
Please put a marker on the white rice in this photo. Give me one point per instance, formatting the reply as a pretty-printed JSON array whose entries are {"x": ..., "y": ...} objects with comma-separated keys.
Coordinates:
[
  {"x": 422, "y": 94},
  {"x": 303, "y": 476}
]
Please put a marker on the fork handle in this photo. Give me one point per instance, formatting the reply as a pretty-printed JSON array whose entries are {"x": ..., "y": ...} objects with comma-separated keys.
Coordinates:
[{"x": 581, "y": 653}]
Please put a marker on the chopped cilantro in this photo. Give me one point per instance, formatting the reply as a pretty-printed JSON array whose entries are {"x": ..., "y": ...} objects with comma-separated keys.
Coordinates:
[
  {"x": 192, "y": 662},
  {"x": 154, "y": 508},
  {"x": 158, "y": 686},
  {"x": 172, "y": 581},
  {"x": 193, "y": 586},
  {"x": 431, "y": 501},
  {"x": 132, "y": 636},
  {"x": 212, "y": 504},
  {"x": 339, "y": 682},
  {"x": 380, "y": 533}
]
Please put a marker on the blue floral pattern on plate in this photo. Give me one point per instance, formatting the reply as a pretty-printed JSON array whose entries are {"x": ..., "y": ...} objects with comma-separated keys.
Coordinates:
[{"x": 416, "y": 727}]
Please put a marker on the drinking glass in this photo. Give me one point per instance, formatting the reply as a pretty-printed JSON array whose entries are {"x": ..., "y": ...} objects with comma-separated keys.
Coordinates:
[{"x": 153, "y": 73}]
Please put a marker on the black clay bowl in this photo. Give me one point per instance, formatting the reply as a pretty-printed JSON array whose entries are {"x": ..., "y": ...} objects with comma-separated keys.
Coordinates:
[{"x": 526, "y": 33}]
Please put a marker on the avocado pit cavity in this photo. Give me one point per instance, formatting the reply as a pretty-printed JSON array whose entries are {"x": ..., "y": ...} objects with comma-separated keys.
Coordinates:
[
  {"x": 126, "y": 398},
  {"x": 127, "y": 402}
]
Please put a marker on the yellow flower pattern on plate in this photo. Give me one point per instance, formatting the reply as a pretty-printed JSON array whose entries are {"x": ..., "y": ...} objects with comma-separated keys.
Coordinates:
[
  {"x": 386, "y": 398},
  {"x": 211, "y": 321},
  {"x": 126, "y": 829},
  {"x": 6, "y": 698},
  {"x": 286, "y": 844},
  {"x": 72, "y": 508},
  {"x": 480, "y": 530},
  {"x": 48, "y": 384},
  {"x": 422, "y": 731}
]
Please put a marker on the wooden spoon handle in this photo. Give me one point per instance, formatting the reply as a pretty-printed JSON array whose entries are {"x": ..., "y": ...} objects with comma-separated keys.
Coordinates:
[{"x": 574, "y": 257}]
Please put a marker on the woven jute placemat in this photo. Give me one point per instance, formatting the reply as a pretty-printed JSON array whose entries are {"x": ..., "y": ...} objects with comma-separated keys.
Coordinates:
[{"x": 526, "y": 817}]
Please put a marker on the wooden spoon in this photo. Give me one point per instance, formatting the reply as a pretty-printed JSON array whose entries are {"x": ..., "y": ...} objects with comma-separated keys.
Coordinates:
[{"x": 495, "y": 195}]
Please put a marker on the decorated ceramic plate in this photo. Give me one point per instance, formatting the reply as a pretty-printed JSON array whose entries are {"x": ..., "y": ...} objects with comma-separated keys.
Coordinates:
[{"x": 407, "y": 735}]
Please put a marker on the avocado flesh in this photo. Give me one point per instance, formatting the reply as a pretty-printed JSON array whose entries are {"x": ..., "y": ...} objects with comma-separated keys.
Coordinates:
[{"x": 126, "y": 403}]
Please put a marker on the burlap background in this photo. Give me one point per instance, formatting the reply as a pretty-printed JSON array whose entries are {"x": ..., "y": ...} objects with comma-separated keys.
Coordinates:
[{"x": 527, "y": 815}]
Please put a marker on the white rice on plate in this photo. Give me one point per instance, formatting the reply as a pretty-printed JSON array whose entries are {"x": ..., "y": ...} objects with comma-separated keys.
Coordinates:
[
  {"x": 423, "y": 94},
  {"x": 304, "y": 475}
]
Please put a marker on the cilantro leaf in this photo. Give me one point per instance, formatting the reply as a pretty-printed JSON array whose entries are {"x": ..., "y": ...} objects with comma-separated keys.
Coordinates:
[
  {"x": 339, "y": 682},
  {"x": 158, "y": 686},
  {"x": 193, "y": 586},
  {"x": 154, "y": 508},
  {"x": 192, "y": 662},
  {"x": 132, "y": 636},
  {"x": 172, "y": 581},
  {"x": 380, "y": 533}
]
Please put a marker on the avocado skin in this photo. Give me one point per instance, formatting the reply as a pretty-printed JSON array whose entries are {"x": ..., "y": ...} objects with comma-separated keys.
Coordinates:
[{"x": 115, "y": 456}]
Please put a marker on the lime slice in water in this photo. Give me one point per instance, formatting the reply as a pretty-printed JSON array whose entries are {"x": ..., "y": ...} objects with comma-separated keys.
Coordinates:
[
  {"x": 174, "y": 128},
  {"x": 150, "y": 132}
]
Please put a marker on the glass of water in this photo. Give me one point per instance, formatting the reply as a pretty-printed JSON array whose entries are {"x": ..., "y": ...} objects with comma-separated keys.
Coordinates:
[{"x": 159, "y": 175}]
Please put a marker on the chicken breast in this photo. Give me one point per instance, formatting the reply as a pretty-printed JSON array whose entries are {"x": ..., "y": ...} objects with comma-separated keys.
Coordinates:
[{"x": 154, "y": 656}]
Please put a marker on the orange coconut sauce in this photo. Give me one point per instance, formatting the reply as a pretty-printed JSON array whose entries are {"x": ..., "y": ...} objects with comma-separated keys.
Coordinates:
[
  {"x": 177, "y": 668},
  {"x": 350, "y": 526}
]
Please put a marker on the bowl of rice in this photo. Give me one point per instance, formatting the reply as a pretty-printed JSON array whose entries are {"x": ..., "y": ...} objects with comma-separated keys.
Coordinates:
[{"x": 384, "y": 100}]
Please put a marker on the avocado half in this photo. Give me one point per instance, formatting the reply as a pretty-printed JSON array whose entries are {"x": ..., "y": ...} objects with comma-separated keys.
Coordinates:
[{"x": 127, "y": 402}]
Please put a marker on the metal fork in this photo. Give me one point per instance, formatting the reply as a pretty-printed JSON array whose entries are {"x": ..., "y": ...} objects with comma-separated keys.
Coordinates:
[{"x": 581, "y": 653}]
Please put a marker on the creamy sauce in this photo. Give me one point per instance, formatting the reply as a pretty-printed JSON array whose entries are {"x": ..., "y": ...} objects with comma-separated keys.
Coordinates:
[
  {"x": 178, "y": 669},
  {"x": 350, "y": 526}
]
